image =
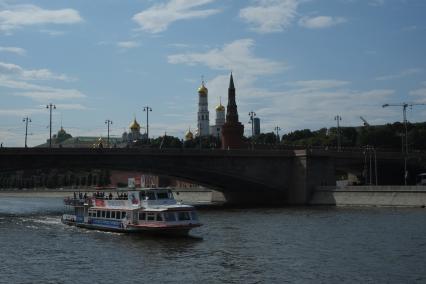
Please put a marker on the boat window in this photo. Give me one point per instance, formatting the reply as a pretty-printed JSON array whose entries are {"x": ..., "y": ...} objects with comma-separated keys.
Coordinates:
[
  {"x": 151, "y": 195},
  {"x": 113, "y": 214},
  {"x": 194, "y": 216},
  {"x": 98, "y": 213},
  {"x": 170, "y": 216},
  {"x": 142, "y": 216},
  {"x": 151, "y": 217},
  {"x": 103, "y": 214},
  {"x": 108, "y": 214},
  {"x": 183, "y": 216},
  {"x": 142, "y": 195},
  {"x": 159, "y": 217},
  {"x": 162, "y": 195},
  {"x": 118, "y": 215},
  {"x": 123, "y": 215}
]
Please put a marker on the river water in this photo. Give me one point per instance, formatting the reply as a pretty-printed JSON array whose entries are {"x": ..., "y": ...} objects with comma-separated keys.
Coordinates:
[{"x": 279, "y": 245}]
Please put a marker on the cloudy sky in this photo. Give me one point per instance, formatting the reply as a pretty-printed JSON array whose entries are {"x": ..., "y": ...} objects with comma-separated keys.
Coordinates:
[{"x": 296, "y": 63}]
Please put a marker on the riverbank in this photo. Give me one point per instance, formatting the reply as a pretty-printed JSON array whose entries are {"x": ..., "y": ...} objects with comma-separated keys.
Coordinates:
[{"x": 376, "y": 196}]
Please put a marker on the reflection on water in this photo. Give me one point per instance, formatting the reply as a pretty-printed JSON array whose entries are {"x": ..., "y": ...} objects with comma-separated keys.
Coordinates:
[{"x": 234, "y": 246}]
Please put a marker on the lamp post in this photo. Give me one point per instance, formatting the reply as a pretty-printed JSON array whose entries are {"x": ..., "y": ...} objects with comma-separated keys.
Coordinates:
[
  {"x": 338, "y": 118},
  {"x": 50, "y": 107},
  {"x": 252, "y": 114},
  {"x": 147, "y": 109},
  {"x": 277, "y": 129},
  {"x": 404, "y": 117},
  {"x": 108, "y": 123},
  {"x": 26, "y": 120}
]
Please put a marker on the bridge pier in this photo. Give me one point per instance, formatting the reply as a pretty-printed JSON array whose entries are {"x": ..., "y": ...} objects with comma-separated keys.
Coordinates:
[{"x": 307, "y": 173}]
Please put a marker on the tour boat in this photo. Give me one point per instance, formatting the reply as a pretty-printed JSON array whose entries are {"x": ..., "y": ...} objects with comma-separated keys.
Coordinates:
[{"x": 147, "y": 210}]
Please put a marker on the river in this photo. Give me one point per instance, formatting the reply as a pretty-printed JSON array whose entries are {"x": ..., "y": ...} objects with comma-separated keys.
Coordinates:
[{"x": 263, "y": 245}]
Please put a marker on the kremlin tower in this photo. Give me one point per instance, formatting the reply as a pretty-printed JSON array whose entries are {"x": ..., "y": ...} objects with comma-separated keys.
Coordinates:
[
  {"x": 232, "y": 130},
  {"x": 203, "y": 111}
]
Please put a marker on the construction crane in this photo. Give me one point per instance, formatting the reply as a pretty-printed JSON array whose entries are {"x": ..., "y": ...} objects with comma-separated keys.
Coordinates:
[
  {"x": 365, "y": 122},
  {"x": 404, "y": 116}
]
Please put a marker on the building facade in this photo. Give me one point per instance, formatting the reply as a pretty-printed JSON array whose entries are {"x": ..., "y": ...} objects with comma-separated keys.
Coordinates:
[
  {"x": 203, "y": 111},
  {"x": 256, "y": 127}
]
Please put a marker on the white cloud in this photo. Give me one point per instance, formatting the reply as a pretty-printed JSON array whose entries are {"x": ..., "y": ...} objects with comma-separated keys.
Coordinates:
[
  {"x": 320, "y": 22},
  {"x": 21, "y": 112},
  {"x": 318, "y": 84},
  {"x": 376, "y": 3},
  {"x": 13, "y": 49},
  {"x": 28, "y": 74},
  {"x": 52, "y": 32},
  {"x": 51, "y": 94},
  {"x": 236, "y": 56},
  {"x": 127, "y": 44},
  {"x": 158, "y": 17},
  {"x": 15, "y": 77},
  {"x": 26, "y": 15},
  {"x": 268, "y": 16},
  {"x": 402, "y": 74}
]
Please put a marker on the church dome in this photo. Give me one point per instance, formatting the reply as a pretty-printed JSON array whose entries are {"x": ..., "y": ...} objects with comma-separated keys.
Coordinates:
[
  {"x": 202, "y": 90},
  {"x": 135, "y": 125},
  {"x": 220, "y": 107},
  {"x": 189, "y": 135}
]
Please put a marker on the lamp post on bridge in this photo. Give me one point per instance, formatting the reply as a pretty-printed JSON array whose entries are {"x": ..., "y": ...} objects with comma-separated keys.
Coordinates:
[
  {"x": 26, "y": 120},
  {"x": 277, "y": 129},
  {"x": 147, "y": 109},
  {"x": 338, "y": 118},
  {"x": 50, "y": 107},
  {"x": 404, "y": 117},
  {"x": 252, "y": 114},
  {"x": 108, "y": 123}
]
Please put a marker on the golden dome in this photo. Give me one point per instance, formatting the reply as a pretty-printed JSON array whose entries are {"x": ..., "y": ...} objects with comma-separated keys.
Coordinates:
[
  {"x": 135, "y": 125},
  {"x": 202, "y": 90},
  {"x": 220, "y": 107},
  {"x": 189, "y": 135}
]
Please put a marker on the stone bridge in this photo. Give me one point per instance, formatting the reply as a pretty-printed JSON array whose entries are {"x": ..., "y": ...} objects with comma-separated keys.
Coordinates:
[{"x": 243, "y": 176}]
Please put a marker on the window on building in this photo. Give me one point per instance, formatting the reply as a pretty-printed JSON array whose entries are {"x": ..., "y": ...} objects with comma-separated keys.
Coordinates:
[
  {"x": 98, "y": 214},
  {"x": 113, "y": 214},
  {"x": 103, "y": 214},
  {"x": 108, "y": 214}
]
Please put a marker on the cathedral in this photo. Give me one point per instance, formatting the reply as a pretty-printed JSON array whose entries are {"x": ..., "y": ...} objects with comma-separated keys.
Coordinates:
[{"x": 226, "y": 128}]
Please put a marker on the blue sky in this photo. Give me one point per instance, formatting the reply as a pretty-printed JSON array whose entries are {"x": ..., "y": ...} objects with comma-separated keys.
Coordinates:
[{"x": 296, "y": 63}]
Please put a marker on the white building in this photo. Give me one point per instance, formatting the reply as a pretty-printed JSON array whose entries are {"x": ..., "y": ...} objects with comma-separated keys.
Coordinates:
[
  {"x": 203, "y": 111},
  {"x": 216, "y": 130}
]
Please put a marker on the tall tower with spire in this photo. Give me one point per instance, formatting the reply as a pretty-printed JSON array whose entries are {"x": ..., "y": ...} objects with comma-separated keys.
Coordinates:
[
  {"x": 203, "y": 111},
  {"x": 232, "y": 130}
]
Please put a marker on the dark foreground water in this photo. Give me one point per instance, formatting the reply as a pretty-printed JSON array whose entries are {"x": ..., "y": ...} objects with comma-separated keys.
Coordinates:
[{"x": 294, "y": 245}]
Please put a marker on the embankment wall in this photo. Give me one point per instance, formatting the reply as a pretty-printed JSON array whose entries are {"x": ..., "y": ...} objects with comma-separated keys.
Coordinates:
[{"x": 403, "y": 196}]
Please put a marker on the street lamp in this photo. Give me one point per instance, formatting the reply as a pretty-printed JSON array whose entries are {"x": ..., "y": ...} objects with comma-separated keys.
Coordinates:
[
  {"x": 26, "y": 120},
  {"x": 252, "y": 114},
  {"x": 108, "y": 123},
  {"x": 338, "y": 118},
  {"x": 50, "y": 107},
  {"x": 277, "y": 129},
  {"x": 147, "y": 109},
  {"x": 404, "y": 117}
]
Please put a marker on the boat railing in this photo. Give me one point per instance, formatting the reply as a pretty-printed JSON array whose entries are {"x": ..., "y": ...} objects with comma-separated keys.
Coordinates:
[{"x": 77, "y": 201}]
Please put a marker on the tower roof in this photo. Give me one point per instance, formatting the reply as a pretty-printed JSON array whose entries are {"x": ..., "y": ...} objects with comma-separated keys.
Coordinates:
[
  {"x": 134, "y": 125},
  {"x": 220, "y": 107},
  {"x": 202, "y": 90},
  {"x": 231, "y": 82}
]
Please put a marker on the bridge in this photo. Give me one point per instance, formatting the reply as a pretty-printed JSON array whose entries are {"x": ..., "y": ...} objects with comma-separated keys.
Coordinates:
[{"x": 243, "y": 176}]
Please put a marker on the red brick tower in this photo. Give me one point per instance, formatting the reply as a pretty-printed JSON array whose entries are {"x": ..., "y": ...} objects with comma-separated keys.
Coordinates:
[{"x": 232, "y": 130}]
